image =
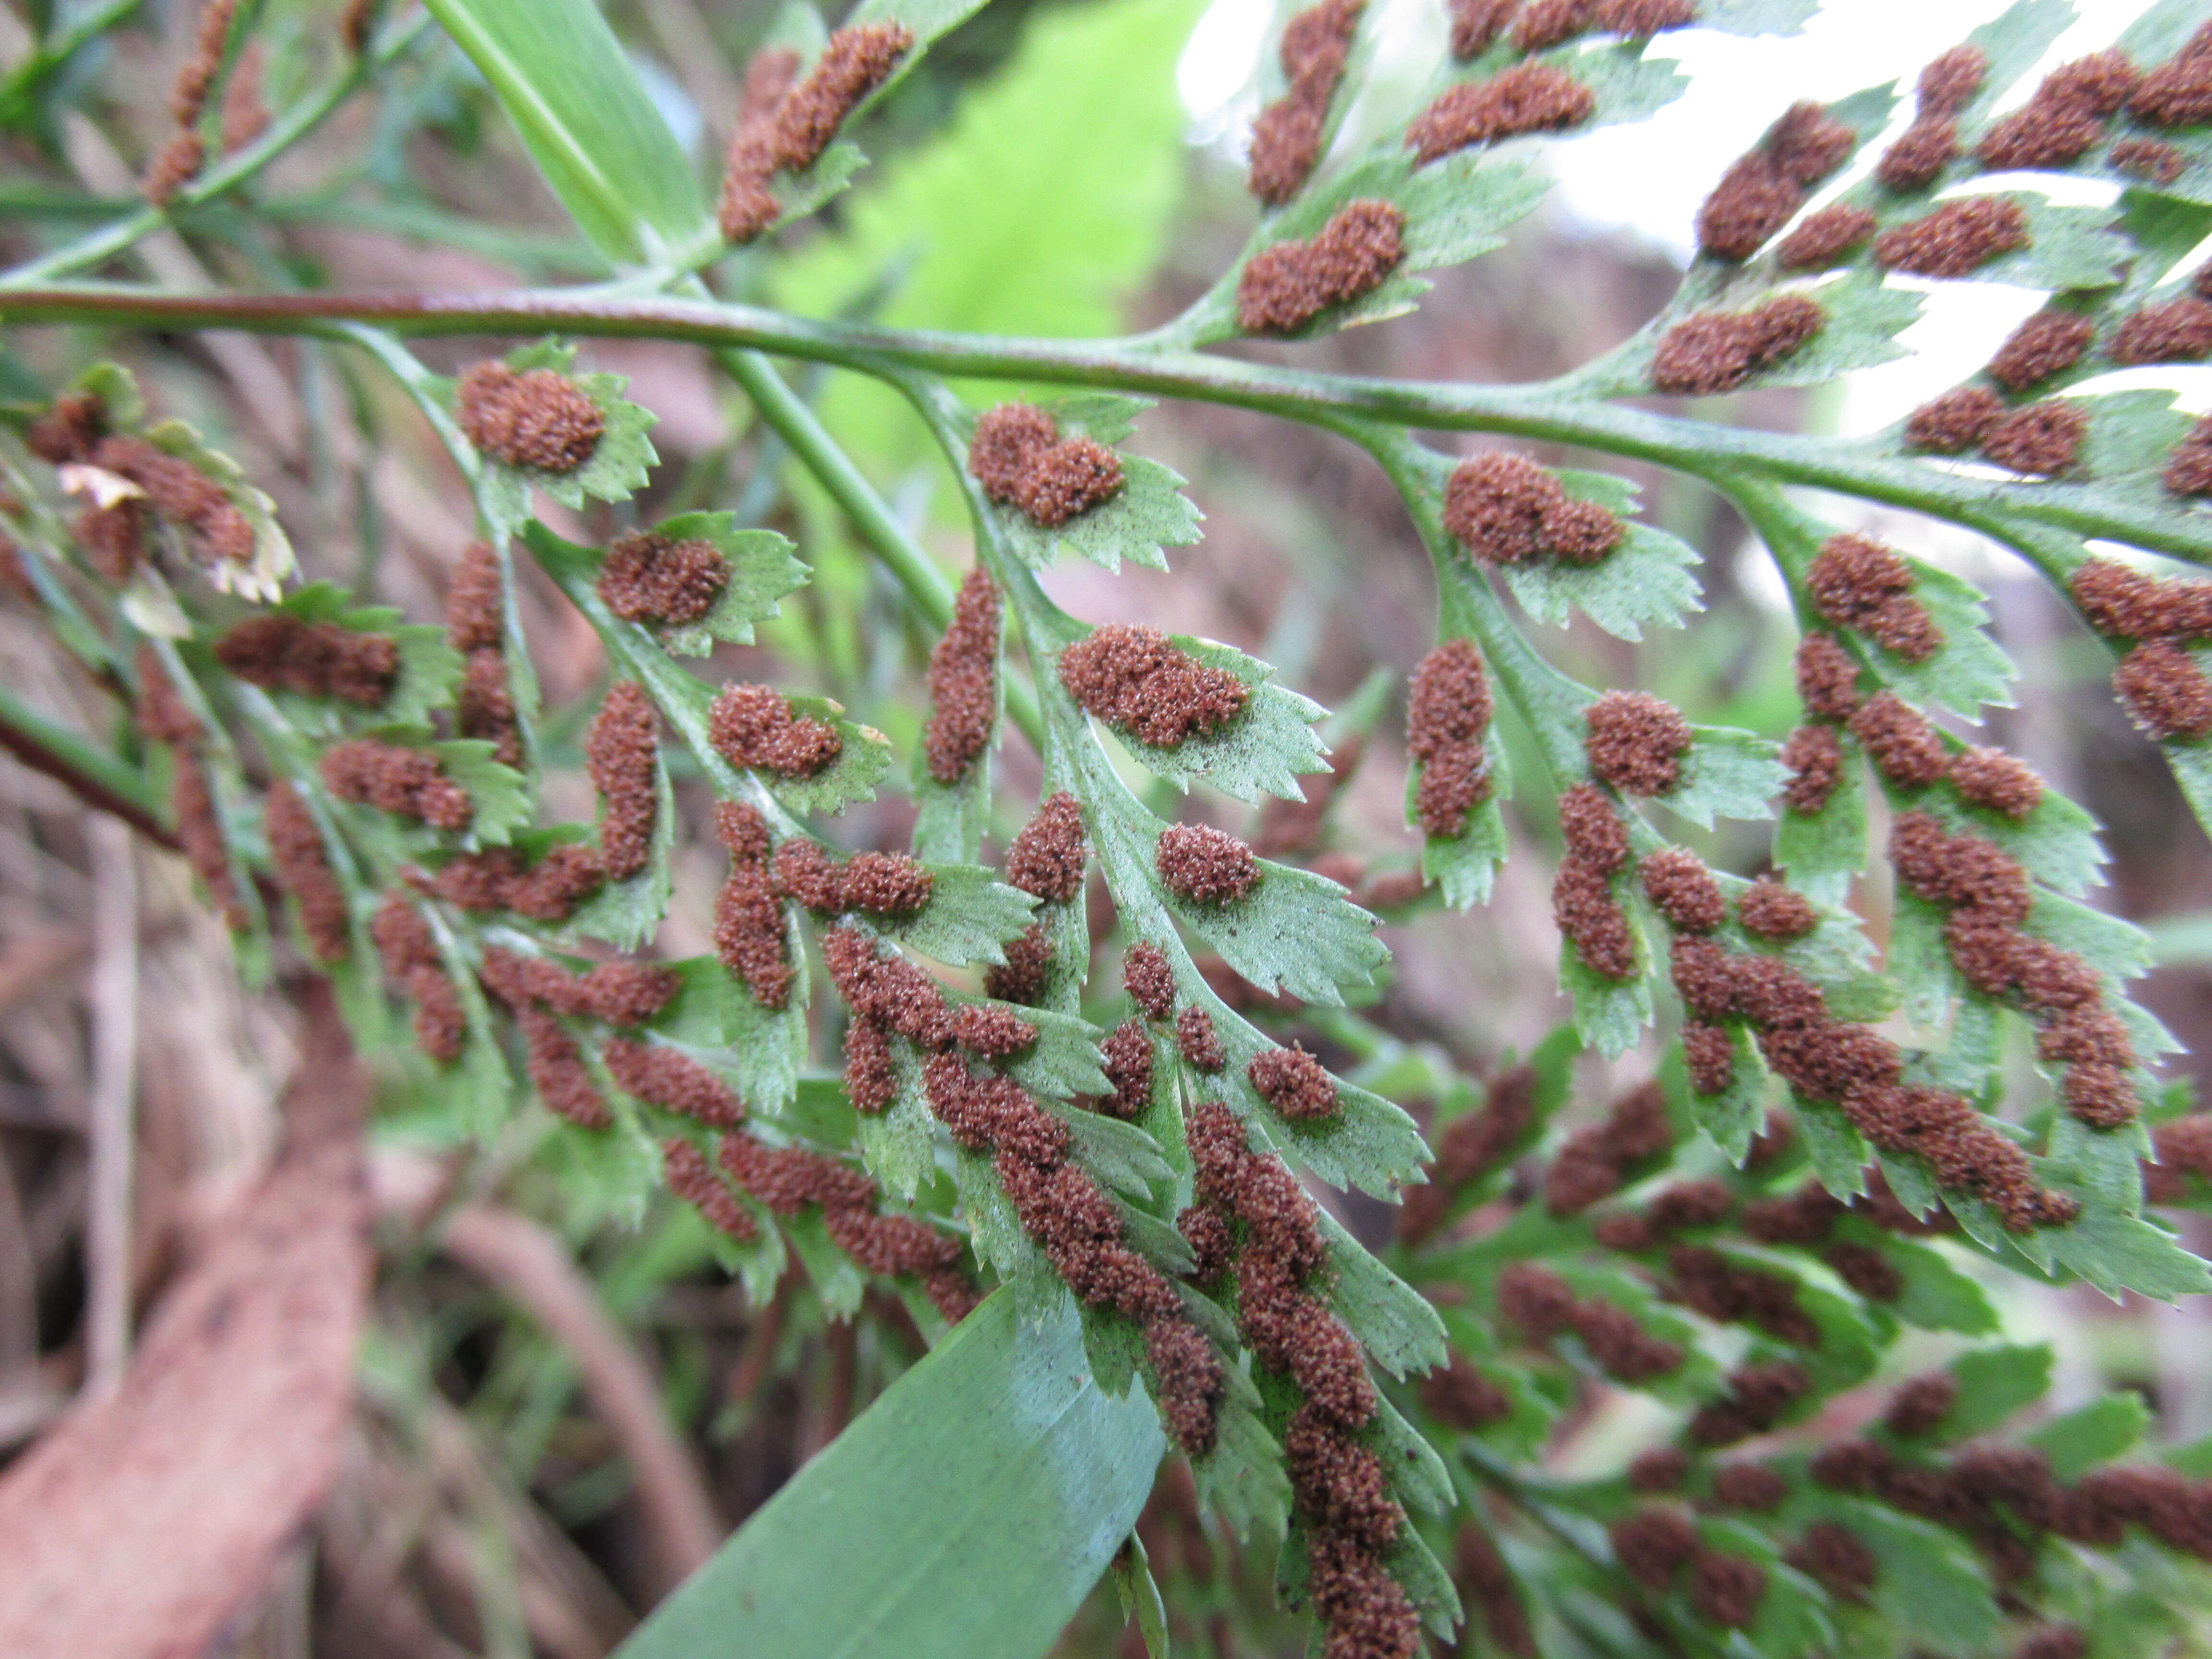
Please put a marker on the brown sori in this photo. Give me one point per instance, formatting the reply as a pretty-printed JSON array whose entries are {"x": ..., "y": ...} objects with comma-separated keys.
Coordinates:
[
  {"x": 1526, "y": 98},
  {"x": 303, "y": 870},
  {"x": 1476, "y": 23},
  {"x": 2146, "y": 158},
  {"x": 406, "y": 782},
  {"x": 747, "y": 207},
  {"x": 1075, "y": 1224},
  {"x": 1825, "y": 1059},
  {"x": 963, "y": 682},
  {"x": 1768, "y": 909},
  {"x": 1904, "y": 747},
  {"x": 754, "y": 726},
  {"x": 1758, "y": 193},
  {"x": 1024, "y": 976},
  {"x": 859, "y": 58},
  {"x": 1294, "y": 1083},
  {"x": 2049, "y": 343},
  {"x": 2041, "y": 440},
  {"x": 621, "y": 749},
  {"x": 199, "y": 831},
  {"x": 497, "y": 879},
  {"x": 1337, "y": 1484},
  {"x": 2176, "y": 330},
  {"x": 1716, "y": 351},
  {"x": 1448, "y": 711},
  {"x": 534, "y": 418},
  {"x": 281, "y": 652},
  {"x": 647, "y": 577},
  {"x": 1127, "y": 1055},
  {"x": 1201, "y": 865},
  {"x": 1198, "y": 1042},
  {"x": 219, "y": 532},
  {"x": 786, "y": 1180},
  {"x": 1149, "y": 978},
  {"x": 1995, "y": 781},
  {"x": 748, "y": 930},
  {"x": 1584, "y": 907},
  {"x": 1678, "y": 883},
  {"x": 1046, "y": 858},
  {"x": 1132, "y": 678},
  {"x": 2189, "y": 466},
  {"x": 2065, "y": 118},
  {"x": 1814, "y": 756},
  {"x": 1286, "y": 136},
  {"x": 1287, "y": 285},
  {"x": 2165, "y": 690},
  {"x": 1956, "y": 421},
  {"x": 1825, "y": 237},
  {"x": 174, "y": 166},
  {"x": 1920, "y": 1404},
  {"x": 1956, "y": 240},
  {"x": 1827, "y": 679},
  {"x": 1505, "y": 509},
  {"x": 1470, "y": 1146},
  {"x": 2179, "y": 92},
  {"x": 411, "y": 959},
  {"x": 1021, "y": 460},
  {"x": 1858, "y": 583},
  {"x": 476, "y": 605},
  {"x": 1595, "y": 1162},
  {"x": 692, "y": 1179},
  {"x": 1636, "y": 742},
  {"x": 1989, "y": 896},
  {"x": 871, "y": 1073},
  {"x": 672, "y": 1081}
]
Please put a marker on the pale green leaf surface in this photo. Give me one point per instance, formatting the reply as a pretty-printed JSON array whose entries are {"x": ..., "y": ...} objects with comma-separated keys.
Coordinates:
[
  {"x": 995, "y": 1461},
  {"x": 587, "y": 119}
]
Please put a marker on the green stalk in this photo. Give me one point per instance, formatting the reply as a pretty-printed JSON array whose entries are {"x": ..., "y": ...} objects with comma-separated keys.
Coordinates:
[
  {"x": 1541, "y": 410},
  {"x": 923, "y": 579}
]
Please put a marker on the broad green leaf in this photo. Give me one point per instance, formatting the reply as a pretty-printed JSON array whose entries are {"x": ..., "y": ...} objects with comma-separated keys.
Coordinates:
[
  {"x": 501, "y": 794},
  {"x": 2115, "y": 1252},
  {"x": 993, "y": 1464},
  {"x": 1928, "y": 1581},
  {"x": 1936, "y": 1296},
  {"x": 567, "y": 85},
  {"x": 950, "y": 821}
]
